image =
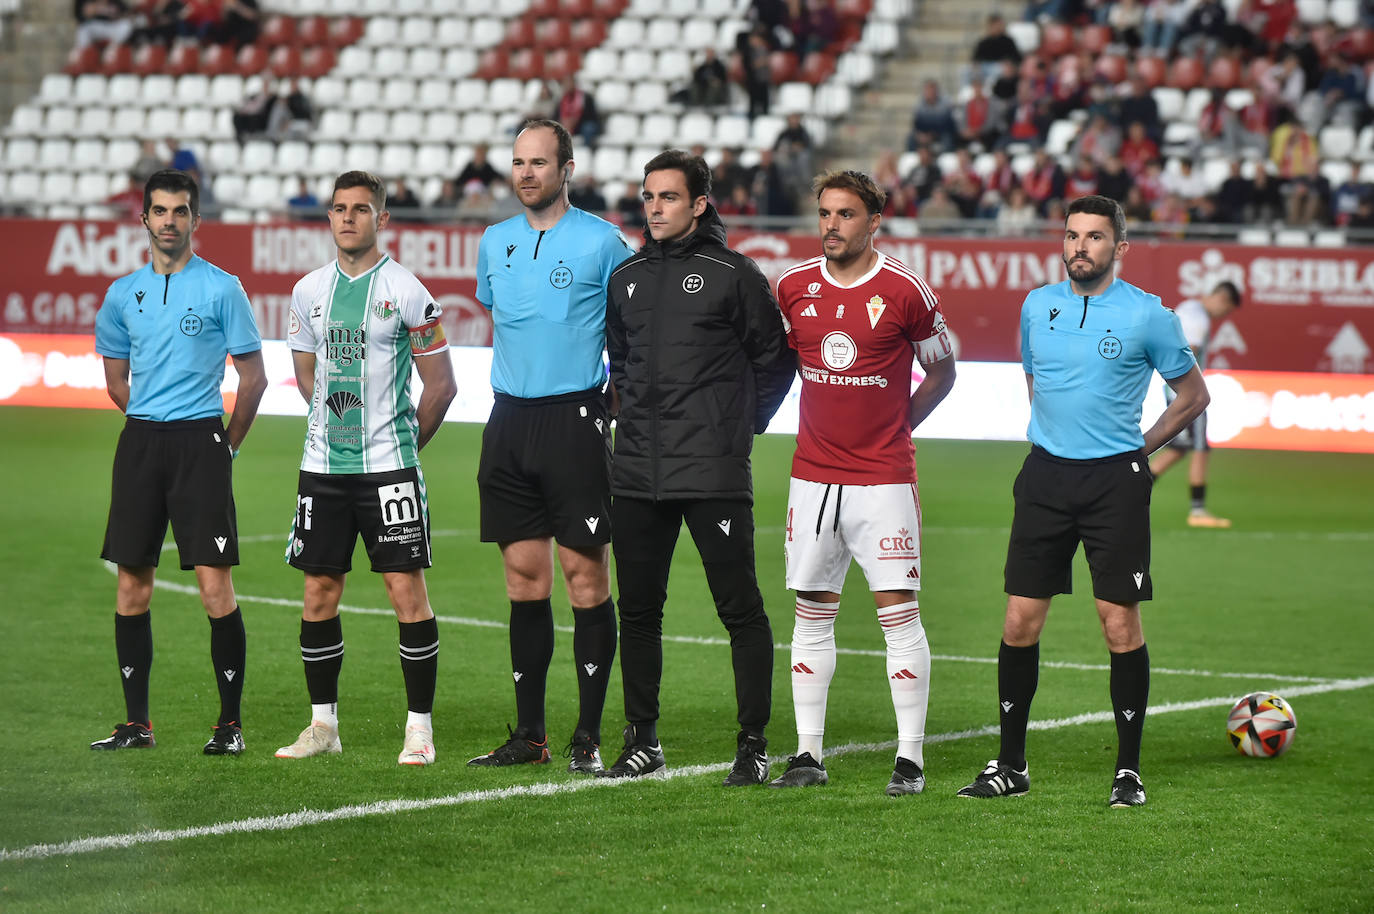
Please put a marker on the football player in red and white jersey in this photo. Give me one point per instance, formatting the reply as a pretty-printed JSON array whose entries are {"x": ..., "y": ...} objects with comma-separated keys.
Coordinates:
[{"x": 857, "y": 318}]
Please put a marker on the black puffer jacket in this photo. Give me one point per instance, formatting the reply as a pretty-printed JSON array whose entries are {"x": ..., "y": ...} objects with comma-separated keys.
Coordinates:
[{"x": 701, "y": 363}]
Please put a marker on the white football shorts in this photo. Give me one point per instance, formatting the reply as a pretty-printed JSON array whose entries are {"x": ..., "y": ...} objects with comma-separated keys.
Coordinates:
[{"x": 828, "y": 524}]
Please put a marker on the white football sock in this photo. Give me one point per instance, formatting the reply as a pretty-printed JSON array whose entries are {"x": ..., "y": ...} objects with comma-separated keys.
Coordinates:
[
  {"x": 327, "y": 713},
  {"x": 908, "y": 674},
  {"x": 416, "y": 719},
  {"x": 813, "y": 666}
]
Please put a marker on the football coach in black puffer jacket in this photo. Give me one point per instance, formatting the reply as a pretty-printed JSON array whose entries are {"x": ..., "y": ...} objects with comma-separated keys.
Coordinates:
[{"x": 700, "y": 361}]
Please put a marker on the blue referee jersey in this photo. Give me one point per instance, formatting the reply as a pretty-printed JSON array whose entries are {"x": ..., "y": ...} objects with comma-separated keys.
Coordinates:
[
  {"x": 1091, "y": 358},
  {"x": 175, "y": 329},
  {"x": 547, "y": 294}
]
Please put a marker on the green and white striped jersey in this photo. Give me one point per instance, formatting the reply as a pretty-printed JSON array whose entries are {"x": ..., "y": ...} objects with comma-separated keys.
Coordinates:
[{"x": 364, "y": 332}]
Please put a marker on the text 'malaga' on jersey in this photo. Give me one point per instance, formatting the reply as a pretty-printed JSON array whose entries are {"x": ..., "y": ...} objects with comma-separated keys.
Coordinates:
[{"x": 856, "y": 345}]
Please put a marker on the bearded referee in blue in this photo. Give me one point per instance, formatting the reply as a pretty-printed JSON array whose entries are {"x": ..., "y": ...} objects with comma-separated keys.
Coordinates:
[
  {"x": 544, "y": 474},
  {"x": 1089, "y": 346},
  {"x": 164, "y": 332}
]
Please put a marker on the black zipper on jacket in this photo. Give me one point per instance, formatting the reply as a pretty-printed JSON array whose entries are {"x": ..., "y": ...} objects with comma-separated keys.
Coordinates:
[
  {"x": 653, "y": 382},
  {"x": 166, "y": 286},
  {"x": 1085, "y": 312}
]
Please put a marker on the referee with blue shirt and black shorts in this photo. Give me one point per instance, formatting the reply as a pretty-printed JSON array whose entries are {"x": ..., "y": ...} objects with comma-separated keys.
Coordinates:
[
  {"x": 1089, "y": 346},
  {"x": 164, "y": 332},
  {"x": 544, "y": 474}
]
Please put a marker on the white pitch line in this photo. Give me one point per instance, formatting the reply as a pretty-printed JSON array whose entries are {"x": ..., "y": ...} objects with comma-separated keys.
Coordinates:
[
  {"x": 709, "y": 641},
  {"x": 308, "y": 817}
]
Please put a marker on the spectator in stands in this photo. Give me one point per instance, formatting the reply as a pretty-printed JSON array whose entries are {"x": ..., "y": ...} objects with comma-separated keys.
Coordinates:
[
  {"x": 754, "y": 52},
  {"x": 820, "y": 27},
  {"x": 1255, "y": 122},
  {"x": 771, "y": 189},
  {"x": 1291, "y": 148},
  {"x": 1137, "y": 149},
  {"x": 1151, "y": 181},
  {"x": 1363, "y": 217},
  {"x": 255, "y": 111},
  {"x": 150, "y": 161},
  {"x": 1265, "y": 205},
  {"x": 1345, "y": 199},
  {"x": 161, "y": 23},
  {"x": 629, "y": 209},
  {"x": 447, "y": 200},
  {"x": 1280, "y": 18},
  {"x": 476, "y": 204},
  {"x": 727, "y": 174},
  {"x": 1285, "y": 81},
  {"x": 1139, "y": 105},
  {"x": 886, "y": 174},
  {"x": 1136, "y": 206},
  {"x": 924, "y": 176},
  {"x": 1113, "y": 180},
  {"x": 1204, "y": 30},
  {"x": 1082, "y": 181},
  {"x": 240, "y": 23},
  {"x": 200, "y": 19},
  {"x": 1002, "y": 92},
  {"x": 128, "y": 201},
  {"x": 586, "y": 195},
  {"x": 1030, "y": 118},
  {"x": 739, "y": 203},
  {"x": 901, "y": 203},
  {"x": 1127, "y": 19},
  {"x": 710, "y": 85},
  {"x": 992, "y": 48},
  {"x": 933, "y": 121},
  {"x": 1218, "y": 127},
  {"x": 576, "y": 110},
  {"x": 964, "y": 185},
  {"x": 292, "y": 115},
  {"x": 1187, "y": 183},
  {"x": 1341, "y": 92},
  {"x": 1098, "y": 141},
  {"x": 1164, "y": 20},
  {"x": 792, "y": 149},
  {"x": 1001, "y": 177},
  {"x": 1172, "y": 210},
  {"x": 1044, "y": 182},
  {"x": 1234, "y": 194},
  {"x": 1016, "y": 215},
  {"x": 975, "y": 119},
  {"x": 940, "y": 207},
  {"x": 402, "y": 202},
  {"x": 102, "y": 20},
  {"x": 1309, "y": 198},
  {"x": 304, "y": 205},
  {"x": 478, "y": 169}
]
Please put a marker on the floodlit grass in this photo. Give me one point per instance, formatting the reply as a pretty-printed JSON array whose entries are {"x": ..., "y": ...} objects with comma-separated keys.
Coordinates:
[{"x": 1281, "y": 601}]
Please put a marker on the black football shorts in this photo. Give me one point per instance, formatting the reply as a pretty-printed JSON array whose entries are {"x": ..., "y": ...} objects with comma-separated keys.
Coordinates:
[{"x": 389, "y": 510}]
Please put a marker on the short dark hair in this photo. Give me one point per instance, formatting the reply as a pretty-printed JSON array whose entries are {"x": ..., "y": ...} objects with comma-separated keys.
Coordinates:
[
  {"x": 173, "y": 181},
  {"x": 1231, "y": 290},
  {"x": 1098, "y": 205},
  {"x": 560, "y": 133},
  {"x": 366, "y": 179},
  {"x": 858, "y": 183},
  {"x": 693, "y": 168}
]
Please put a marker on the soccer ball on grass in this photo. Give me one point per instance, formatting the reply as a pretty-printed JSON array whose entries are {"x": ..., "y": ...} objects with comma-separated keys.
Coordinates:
[{"x": 1261, "y": 725}]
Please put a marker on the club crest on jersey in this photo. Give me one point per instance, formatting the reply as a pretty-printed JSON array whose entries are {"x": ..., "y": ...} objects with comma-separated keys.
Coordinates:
[
  {"x": 839, "y": 311},
  {"x": 191, "y": 324},
  {"x": 876, "y": 307},
  {"x": 838, "y": 351},
  {"x": 813, "y": 290},
  {"x": 693, "y": 283},
  {"x": 1109, "y": 347},
  {"x": 383, "y": 309},
  {"x": 561, "y": 277}
]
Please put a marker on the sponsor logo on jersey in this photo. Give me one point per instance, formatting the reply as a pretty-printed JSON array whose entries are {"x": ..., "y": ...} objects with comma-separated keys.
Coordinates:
[
  {"x": 510, "y": 249},
  {"x": 591, "y": 523},
  {"x": 693, "y": 283},
  {"x": 809, "y": 311},
  {"x": 838, "y": 351},
  {"x": 399, "y": 503},
  {"x": 591, "y": 668},
  {"x": 1109, "y": 347},
  {"x": 876, "y": 306},
  {"x": 724, "y": 525},
  {"x": 230, "y": 674},
  {"x": 560, "y": 277},
  {"x": 191, "y": 324},
  {"x": 345, "y": 345},
  {"x": 900, "y": 546},
  {"x": 630, "y": 289},
  {"x": 383, "y": 309},
  {"x": 1139, "y": 579},
  {"x": 221, "y": 542},
  {"x": 139, "y": 296},
  {"x": 1007, "y": 706},
  {"x": 127, "y": 671},
  {"x": 1054, "y": 312},
  {"x": 1128, "y": 714},
  {"x": 813, "y": 290},
  {"x": 343, "y": 401}
]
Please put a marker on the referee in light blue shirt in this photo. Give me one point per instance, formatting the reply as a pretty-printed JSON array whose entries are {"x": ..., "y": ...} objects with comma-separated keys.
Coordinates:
[
  {"x": 164, "y": 332},
  {"x": 544, "y": 474},
  {"x": 1089, "y": 346}
]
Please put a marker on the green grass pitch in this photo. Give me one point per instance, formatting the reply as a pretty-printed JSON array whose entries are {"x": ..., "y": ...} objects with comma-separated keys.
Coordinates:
[{"x": 1282, "y": 601}]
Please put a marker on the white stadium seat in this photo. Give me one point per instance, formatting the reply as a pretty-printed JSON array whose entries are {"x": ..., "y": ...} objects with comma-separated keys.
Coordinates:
[
  {"x": 442, "y": 126},
  {"x": 88, "y": 89},
  {"x": 398, "y": 160}
]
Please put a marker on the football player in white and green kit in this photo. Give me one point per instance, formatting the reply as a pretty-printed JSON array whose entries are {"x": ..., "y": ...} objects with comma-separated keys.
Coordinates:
[{"x": 357, "y": 325}]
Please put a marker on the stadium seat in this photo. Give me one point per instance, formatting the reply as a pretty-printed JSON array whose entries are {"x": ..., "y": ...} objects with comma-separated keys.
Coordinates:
[
  {"x": 1223, "y": 73},
  {"x": 562, "y": 63},
  {"x": 732, "y": 130},
  {"x": 317, "y": 62},
  {"x": 478, "y": 127},
  {"x": 1095, "y": 38},
  {"x": 363, "y": 92},
  {"x": 156, "y": 91},
  {"x": 122, "y": 89},
  {"x": 696, "y": 126},
  {"x": 183, "y": 59},
  {"x": 191, "y": 89},
  {"x": 620, "y": 128},
  {"x": 326, "y": 159},
  {"x": 1336, "y": 172},
  {"x": 121, "y": 154},
  {"x": 82, "y": 60},
  {"x": 406, "y": 125},
  {"x": 586, "y": 34},
  {"x": 673, "y": 66},
  {"x": 257, "y": 157},
  {"x": 625, "y": 34},
  {"x": 600, "y": 64},
  {"x": 1113, "y": 67},
  {"x": 434, "y": 93},
  {"x": 117, "y": 58},
  {"x": 782, "y": 66},
  {"x": 397, "y": 160},
  {"x": 88, "y": 89},
  {"x": 55, "y": 87},
  {"x": 23, "y": 187},
  {"x": 1152, "y": 69},
  {"x": 381, "y": 32},
  {"x": 1056, "y": 40},
  {"x": 817, "y": 68},
  {"x": 61, "y": 121},
  {"x": 58, "y": 187},
  {"x": 91, "y": 187},
  {"x": 443, "y": 126},
  {"x": 399, "y": 92},
  {"x": 250, "y": 59},
  {"x": 451, "y": 32},
  {"x": 526, "y": 64},
  {"x": 1311, "y": 12},
  {"x": 87, "y": 154},
  {"x": 698, "y": 34},
  {"x": 285, "y": 61},
  {"x": 1336, "y": 141},
  {"x": 54, "y": 154},
  {"x": 222, "y": 155},
  {"x": 292, "y": 158},
  {"x": 311, "y": 31},
  {"x": 217, "y": 59},
  {"x": 486, "y": 32},
  {"x": 365, "y": 156},
  {"x": 1185, "y": 73},
  {"x": 264, "y": 192},
  {"x": 417, "y": 32},
  {"x": 505, "y": 95},
  {"x": 519, "y": 33},
  {"x": 793, "y": 98},
  {"x": 1169, "y": 102},
  {"x": 98, "y": 123},
  {"x": 648, "y": 97},
  {"x": 346, "y": 30},
  {"x": 459, "y": 62},
  {"x": 493, "y": 63},
  {"x": 127, "y": 123},
  {"x": 658, "y": 128},
  {"x": 763, "y": 132},
  {"x": 543, "y": 10},
  {"x": 161, "y": 121},
  {"x": 278, "y": 30},
  {"x": 431, "y": 159}
]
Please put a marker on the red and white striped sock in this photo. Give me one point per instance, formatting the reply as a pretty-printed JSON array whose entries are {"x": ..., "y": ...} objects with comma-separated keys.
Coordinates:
[
  {"x": 908, "y": 674},
  {"x": 813, "y": 666}
]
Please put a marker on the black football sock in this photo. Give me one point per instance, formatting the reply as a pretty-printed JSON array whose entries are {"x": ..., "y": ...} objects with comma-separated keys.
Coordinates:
[
  {"x": 228, "y": 651},
  {"x": 531, "y": 652},
  {"x": 1199, "y": 496},
  {"x": 594, "y": 639},
  {"x": 322, "y": 649},
  {"x": 134, "y": 650},
  {"x": 1018, "y": 674},
  {"x": 420, "y": 663},
  {"x": 1130, "y": 687}
]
